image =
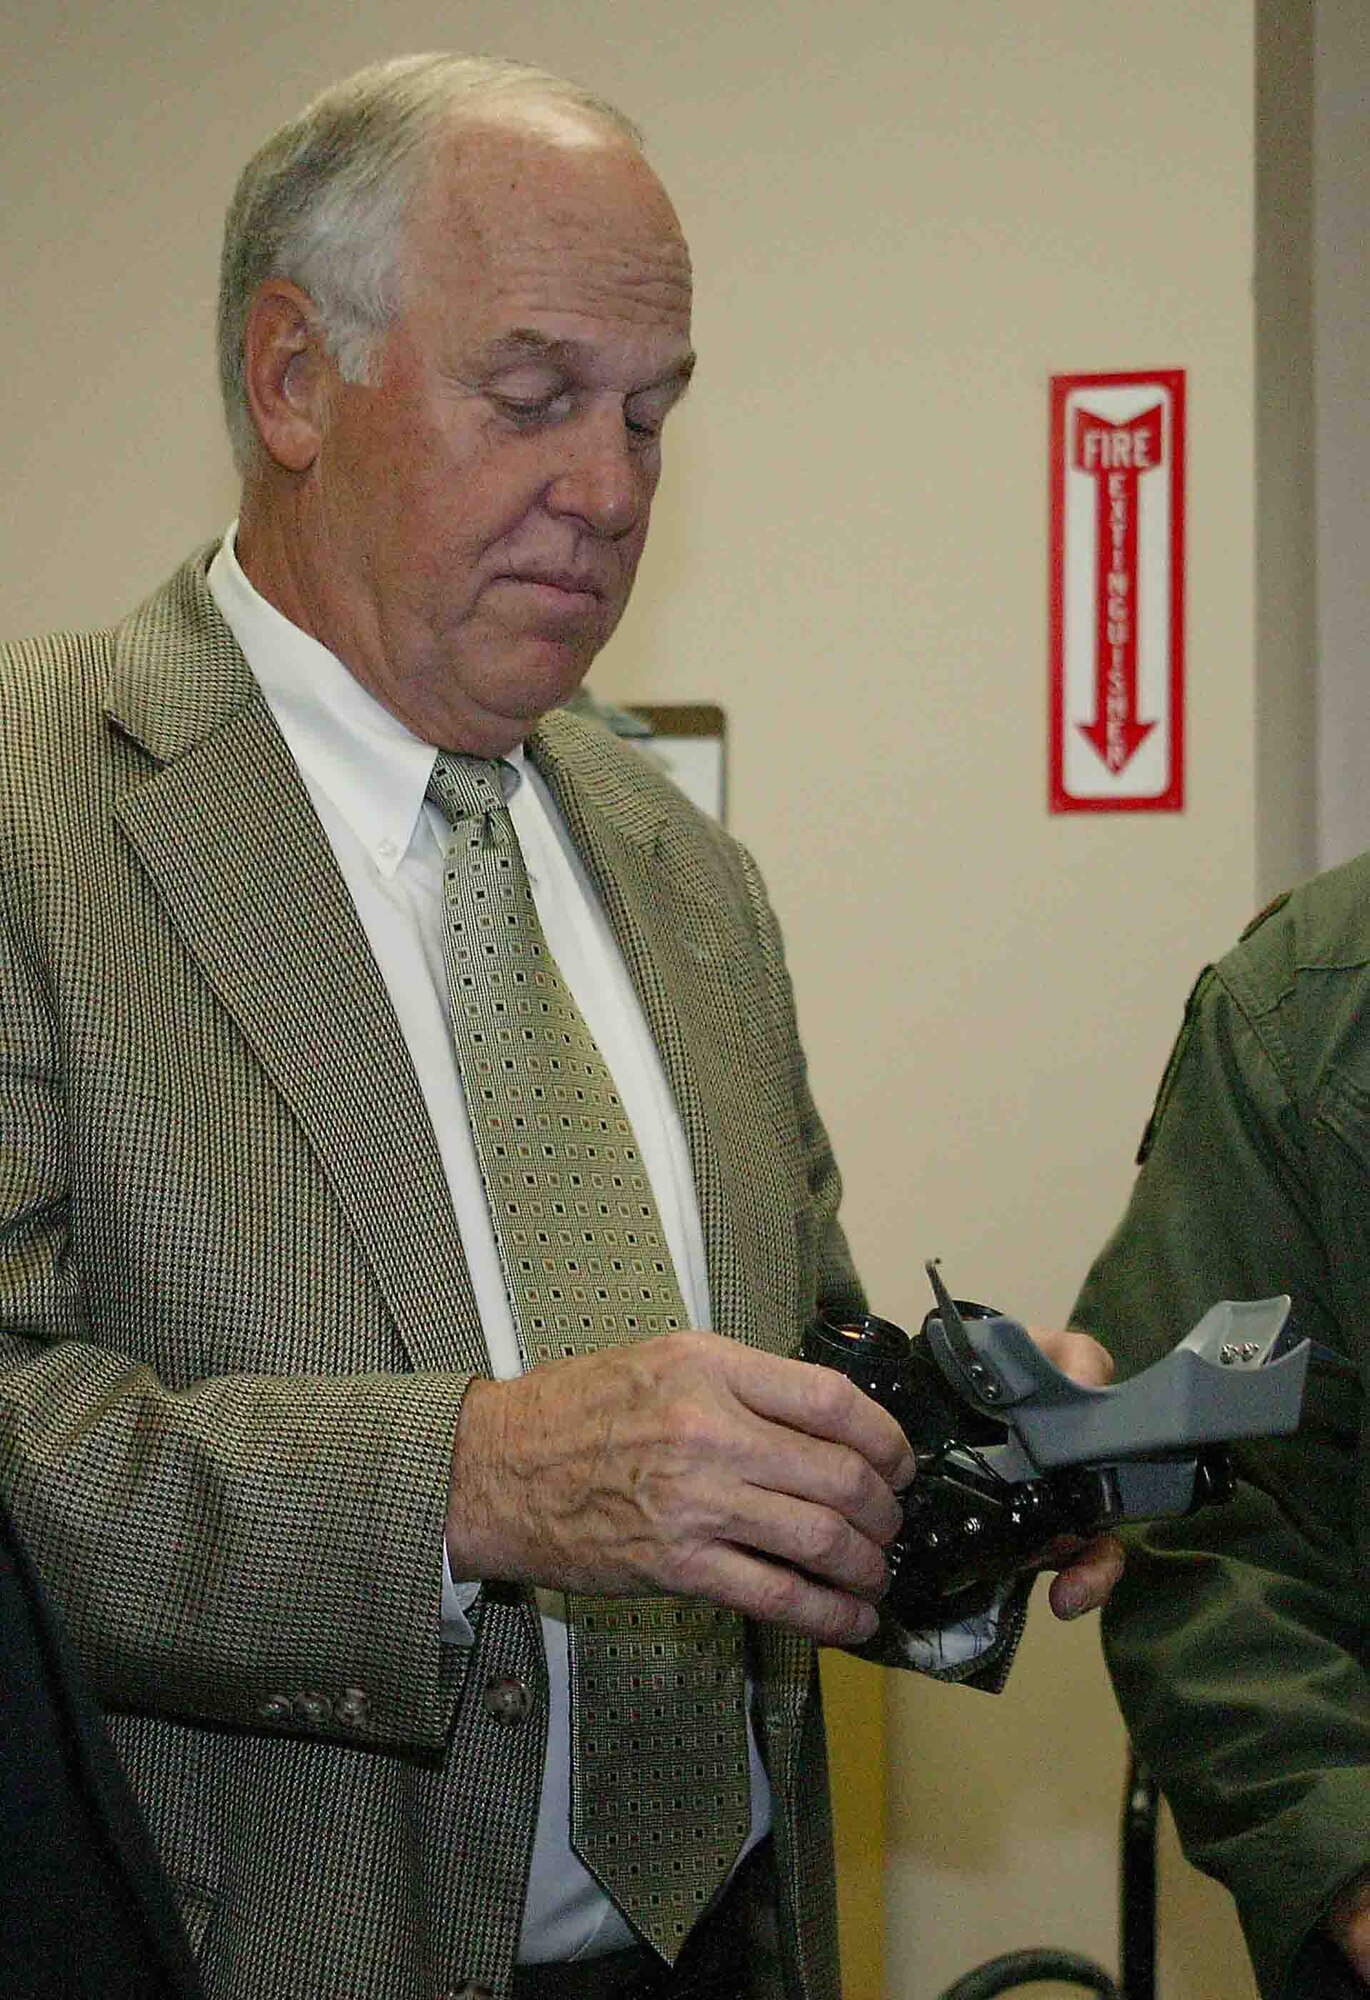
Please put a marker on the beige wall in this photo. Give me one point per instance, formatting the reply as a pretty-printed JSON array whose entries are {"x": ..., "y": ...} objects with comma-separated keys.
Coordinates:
[
  {"x": 905, "y": 217},
  {"x": 1341, "y": 363},
  {"x": 1288, "y": 581}
]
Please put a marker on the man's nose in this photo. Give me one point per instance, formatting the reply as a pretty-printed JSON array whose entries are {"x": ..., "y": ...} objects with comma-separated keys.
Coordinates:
[{"x": 602, "y": 480}]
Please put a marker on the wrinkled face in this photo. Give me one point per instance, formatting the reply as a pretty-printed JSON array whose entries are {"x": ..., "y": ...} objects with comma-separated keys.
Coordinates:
[{"x": 479, "y": 506}]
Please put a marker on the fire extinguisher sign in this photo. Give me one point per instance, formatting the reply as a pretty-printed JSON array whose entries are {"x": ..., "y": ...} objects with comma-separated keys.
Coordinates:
[{"x": 1117, "y": 592}]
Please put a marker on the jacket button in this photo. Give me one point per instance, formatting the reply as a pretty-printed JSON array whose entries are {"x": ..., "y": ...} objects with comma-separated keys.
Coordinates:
[
  {"x": 352, "y": 1709},
  {"x": 314, "y": 1710},
  {"x": 469, "y": 1992},
  {"x": 507, "y": 1700},
  {"x": 276, "y": 1708}
]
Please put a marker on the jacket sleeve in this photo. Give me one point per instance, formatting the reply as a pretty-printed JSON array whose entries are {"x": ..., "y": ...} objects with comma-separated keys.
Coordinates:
[
  {"x": 1237, "y": 1640},
  {"x": 222, "y": 1546},
  {"x": 830, "y": 1276}
]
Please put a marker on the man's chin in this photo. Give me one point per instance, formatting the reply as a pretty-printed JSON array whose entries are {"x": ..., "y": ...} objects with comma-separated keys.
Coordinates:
[{"x": 491, "y": 722}]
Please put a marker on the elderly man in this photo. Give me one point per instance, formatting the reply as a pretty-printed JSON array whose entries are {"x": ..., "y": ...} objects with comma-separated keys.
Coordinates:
[{"x": 398, "y": 1075}]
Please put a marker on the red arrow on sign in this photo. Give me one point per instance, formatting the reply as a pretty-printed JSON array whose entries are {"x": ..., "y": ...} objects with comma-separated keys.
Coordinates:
[{"x": 1116, "y": 456}]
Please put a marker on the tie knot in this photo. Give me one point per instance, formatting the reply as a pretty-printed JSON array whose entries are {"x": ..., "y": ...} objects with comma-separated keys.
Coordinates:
[{"x": 467, "y": 787}]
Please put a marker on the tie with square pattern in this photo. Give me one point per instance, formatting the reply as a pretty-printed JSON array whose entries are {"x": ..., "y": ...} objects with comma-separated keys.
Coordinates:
[{"x": 660, "y": 1781}]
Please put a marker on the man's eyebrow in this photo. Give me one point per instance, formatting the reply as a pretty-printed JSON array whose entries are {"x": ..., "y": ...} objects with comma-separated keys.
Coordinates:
[{"x": 525, "y": 343}]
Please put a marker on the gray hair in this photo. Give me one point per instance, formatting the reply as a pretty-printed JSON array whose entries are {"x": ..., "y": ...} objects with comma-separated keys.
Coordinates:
[{"x": 324, "y": 201}]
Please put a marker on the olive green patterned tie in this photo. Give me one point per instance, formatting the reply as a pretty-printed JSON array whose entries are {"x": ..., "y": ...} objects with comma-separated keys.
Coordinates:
[{"x": 660, "y": 1784}]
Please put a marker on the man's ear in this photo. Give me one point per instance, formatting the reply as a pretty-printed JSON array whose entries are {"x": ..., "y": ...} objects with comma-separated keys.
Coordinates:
[{"x": 287, "y": 374}]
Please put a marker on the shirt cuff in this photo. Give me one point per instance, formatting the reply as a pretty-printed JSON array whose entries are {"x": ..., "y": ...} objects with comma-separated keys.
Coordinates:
[{"x": 457, "y": 1599}]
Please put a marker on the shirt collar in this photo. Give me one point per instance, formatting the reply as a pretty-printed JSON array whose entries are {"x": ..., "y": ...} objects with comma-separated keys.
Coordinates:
[{"x": 372, "y": 769}]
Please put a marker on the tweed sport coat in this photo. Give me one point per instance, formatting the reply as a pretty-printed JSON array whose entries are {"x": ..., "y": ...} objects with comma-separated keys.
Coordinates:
[{"x": 236, "y": 1323}]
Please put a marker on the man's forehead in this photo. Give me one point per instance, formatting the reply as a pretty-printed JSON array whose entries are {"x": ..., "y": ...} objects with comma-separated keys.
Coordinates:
[
  {"x": 522, "y": 241},
  {"x": 522, "y": 345},
  {"x": 505, "y": 181}
]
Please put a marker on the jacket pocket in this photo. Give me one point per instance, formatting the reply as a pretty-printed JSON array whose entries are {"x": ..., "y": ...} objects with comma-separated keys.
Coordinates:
[{"x": 197, "y": 1907}]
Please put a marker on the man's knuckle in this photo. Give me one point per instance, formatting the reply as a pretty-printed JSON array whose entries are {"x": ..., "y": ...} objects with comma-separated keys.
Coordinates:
[
  {"x": 780, "y": 1595},
  {"x": 854, "y": 1483},
  {"x": 821, "y": 1538},
  {"x": 689, "y": 1427},
  {"x": 829, "y": 1396}
]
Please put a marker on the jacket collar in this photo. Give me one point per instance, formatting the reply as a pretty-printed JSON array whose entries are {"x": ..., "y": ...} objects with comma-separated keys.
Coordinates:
[{"x": 178, "y": 676}]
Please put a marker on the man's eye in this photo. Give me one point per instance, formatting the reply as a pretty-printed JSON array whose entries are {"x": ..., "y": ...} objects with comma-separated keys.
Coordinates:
[
  {"x": 529, "y": 411},
  {"x": 644, "y": 418},
  {"x": 644, "y": 428}
]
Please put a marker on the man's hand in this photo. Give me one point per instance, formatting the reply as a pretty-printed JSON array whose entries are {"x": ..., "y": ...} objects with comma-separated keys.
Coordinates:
[
  {"x": 688, "y": 1464},
  {"x": 1349, "y": 1923},
  {"x": 1088, "y": 1570}
]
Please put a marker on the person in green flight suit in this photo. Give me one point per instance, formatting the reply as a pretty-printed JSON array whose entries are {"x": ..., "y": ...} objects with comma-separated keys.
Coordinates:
[{"x": 1237, "y": 1640}]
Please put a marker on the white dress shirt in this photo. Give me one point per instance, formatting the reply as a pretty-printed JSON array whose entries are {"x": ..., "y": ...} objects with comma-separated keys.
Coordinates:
[{"x": 367, "y": 777}]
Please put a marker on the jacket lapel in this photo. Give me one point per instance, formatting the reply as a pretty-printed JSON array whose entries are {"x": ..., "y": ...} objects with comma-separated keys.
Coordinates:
[
  {"x": 225, "y": 829},
  {"x": 686, "y": 959}
]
